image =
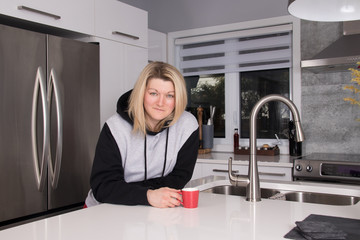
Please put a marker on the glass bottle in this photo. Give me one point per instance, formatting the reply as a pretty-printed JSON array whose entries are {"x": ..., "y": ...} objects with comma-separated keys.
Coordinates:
[
  {"x": 236, "y": 139},
  {"x": 295, "y": 148}
]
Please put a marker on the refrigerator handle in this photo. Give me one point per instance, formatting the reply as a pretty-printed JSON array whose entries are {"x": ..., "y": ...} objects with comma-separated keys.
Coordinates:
[
  {"x": 53, "y": 88},
  {"x": 40, "y": 173}
]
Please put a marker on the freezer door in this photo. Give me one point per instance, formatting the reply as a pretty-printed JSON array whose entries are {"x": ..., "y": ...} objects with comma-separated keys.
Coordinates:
[
  {"x": 73, "y": 69},
  {"x": 21, "y": 54}
]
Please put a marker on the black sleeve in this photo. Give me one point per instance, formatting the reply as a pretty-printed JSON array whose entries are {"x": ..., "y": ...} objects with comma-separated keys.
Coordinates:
[
  {"x": 184, "y": 167},
  {"x": 107, "y": 177}
]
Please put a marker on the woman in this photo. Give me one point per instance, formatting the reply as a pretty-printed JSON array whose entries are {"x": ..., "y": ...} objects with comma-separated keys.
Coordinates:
[{"x": 147, "y": 151}]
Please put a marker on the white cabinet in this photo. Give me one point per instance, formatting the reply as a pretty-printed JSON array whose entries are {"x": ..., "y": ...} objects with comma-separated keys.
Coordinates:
[
  {"x": 265, "y": 172},
  {"x": 157, "y": 46},
  {"x": 118, "y": 21},
  {"x": 72, "y": 15},
  {"x": 120, "y": 66},
  {"x": 122, "y": 32}
]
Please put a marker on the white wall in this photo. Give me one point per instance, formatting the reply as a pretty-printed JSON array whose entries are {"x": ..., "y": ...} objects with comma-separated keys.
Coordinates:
[{"x": 175, "y": 15}]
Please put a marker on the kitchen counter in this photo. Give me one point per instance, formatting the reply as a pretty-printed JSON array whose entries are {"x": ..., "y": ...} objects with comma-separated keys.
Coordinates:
[
  {"x": 281, "y": 160},
  {"x": 217, "y": 217}
]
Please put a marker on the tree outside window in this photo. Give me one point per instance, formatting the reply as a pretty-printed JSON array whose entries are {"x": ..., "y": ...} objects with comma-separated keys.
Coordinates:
[{"x": 206, "y": 91}]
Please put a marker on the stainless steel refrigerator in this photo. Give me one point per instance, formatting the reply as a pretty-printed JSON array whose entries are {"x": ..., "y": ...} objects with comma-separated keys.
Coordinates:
[{"x": 49, "y": 121}]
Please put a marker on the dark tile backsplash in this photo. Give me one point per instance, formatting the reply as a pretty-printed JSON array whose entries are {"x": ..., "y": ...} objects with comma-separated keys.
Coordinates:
[{"x": 329, "y": 123}]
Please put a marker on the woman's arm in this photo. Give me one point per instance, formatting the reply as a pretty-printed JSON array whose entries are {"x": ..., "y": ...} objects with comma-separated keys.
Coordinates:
[{"x": 107, "y": 176}]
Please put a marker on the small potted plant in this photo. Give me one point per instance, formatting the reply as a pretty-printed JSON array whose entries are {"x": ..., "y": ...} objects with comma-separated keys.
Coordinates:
[{"x": 355, "y": 73}]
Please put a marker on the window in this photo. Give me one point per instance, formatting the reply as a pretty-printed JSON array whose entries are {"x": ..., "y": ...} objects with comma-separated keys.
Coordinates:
[
  {"x": 251, "y": 62},
  {"x": 273, "y": 117},
  {"x": 205, "y": 91}
]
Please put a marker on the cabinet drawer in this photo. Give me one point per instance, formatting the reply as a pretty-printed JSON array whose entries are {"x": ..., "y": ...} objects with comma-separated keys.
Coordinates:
[
  {"x": 268, "y": 173},
  {"x": 66, "y": 14},
  {"x": 121, "y": 22}
]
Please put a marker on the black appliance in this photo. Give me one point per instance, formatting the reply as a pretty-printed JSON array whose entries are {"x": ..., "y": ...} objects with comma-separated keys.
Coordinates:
[{"x": 328, "y": 167}]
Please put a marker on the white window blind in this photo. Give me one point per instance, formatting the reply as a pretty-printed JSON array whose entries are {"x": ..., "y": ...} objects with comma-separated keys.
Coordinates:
[{"x": 237, "y": 51}]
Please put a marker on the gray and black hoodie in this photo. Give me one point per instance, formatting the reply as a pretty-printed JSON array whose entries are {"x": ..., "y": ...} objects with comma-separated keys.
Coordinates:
[{"x": 127, "y": 164}]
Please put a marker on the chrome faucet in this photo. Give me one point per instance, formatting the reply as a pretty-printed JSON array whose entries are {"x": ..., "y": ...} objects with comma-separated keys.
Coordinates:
[{"x": 251, "y": 181}]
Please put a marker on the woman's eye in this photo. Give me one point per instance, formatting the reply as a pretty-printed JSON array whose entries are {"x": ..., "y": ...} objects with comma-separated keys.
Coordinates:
[
  {"x": 153, "y": 94},
  {"x": 170, "y": 96}
]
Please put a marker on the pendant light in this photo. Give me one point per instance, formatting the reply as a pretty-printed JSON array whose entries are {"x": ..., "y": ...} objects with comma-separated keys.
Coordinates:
[{"x": 325, "y": 10}]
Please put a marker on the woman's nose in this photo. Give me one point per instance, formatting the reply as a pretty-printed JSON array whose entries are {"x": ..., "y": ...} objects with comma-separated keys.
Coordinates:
[{"x": 161, "y": 100}]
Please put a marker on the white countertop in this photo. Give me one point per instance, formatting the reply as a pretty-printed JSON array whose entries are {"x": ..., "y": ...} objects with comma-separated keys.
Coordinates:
[
  {"x": 217, "y": 217},
  {"x": 281, "y": 160}
]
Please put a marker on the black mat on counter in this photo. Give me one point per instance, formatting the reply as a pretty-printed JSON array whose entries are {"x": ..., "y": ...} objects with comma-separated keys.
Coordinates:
[{"x": 351, "y": 227}]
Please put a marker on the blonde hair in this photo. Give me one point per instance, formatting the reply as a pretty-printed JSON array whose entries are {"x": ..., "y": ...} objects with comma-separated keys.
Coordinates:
[{"x": 136, "y": 109}]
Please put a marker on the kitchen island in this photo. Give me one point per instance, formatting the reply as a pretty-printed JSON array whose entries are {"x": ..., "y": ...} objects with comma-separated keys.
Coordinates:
[{"x": 217, "y": 217}]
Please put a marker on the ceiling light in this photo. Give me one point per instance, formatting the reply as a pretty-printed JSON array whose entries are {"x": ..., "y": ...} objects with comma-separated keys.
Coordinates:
[{"x": 325, "y": 10}]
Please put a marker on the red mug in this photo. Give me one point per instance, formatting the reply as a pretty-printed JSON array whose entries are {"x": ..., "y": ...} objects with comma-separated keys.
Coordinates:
[{"x": 190, "y": 197}]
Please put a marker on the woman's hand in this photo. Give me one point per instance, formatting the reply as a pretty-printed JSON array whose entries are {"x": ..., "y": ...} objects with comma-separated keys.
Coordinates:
[{"x": 164, "y": 197}]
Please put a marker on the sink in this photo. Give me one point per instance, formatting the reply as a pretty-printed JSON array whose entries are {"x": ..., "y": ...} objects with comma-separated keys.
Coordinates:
[
  {"x": 321, "y": 198},
  {"x": 286, "y": 195},
  {"x": 240, "y": 191}
]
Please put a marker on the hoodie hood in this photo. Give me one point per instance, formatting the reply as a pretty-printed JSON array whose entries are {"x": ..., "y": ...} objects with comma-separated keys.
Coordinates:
[{"x": 123, "y": 106}]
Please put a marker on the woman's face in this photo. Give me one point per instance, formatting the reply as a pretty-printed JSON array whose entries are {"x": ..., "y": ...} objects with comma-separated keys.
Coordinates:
[{"x": 159, "y": 100}]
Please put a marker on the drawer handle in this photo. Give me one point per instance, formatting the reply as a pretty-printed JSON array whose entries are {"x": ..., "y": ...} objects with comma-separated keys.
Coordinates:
[
  {"x": 272, "y": 174},
  {"x": 260, "y": 173},
  {"x": 57, "y": 17},
  {"x": 126, "y": 35},
  {"x": 224, "y": 171}
]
